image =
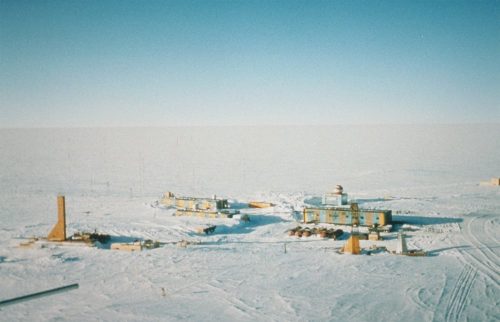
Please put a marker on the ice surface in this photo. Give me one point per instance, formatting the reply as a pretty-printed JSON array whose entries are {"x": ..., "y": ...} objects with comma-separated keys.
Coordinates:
[{"x": 428, "y": 175}]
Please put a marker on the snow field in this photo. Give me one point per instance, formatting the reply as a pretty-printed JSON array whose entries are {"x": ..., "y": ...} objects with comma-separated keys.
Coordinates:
[{"x": 427, "y": 175}]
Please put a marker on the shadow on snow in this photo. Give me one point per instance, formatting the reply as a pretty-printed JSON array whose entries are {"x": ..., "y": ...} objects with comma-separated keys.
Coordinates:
[
  {"x": 248, "y": 227},
  {"x": 421, "y": 220}
]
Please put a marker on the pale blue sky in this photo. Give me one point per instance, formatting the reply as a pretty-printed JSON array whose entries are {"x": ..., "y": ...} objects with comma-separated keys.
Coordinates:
[{"x": 118, "y": 63}]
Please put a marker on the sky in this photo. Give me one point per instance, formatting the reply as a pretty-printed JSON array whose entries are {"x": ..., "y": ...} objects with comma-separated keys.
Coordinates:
[{"x": 172, "y": 63}]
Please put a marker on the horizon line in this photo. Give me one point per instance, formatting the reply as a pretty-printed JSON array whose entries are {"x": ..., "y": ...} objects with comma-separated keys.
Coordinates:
[{"x": 246, "y": 125}]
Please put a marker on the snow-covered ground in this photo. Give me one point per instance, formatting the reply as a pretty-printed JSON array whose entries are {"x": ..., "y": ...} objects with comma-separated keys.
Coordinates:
[{"x": 428, "y": 175}]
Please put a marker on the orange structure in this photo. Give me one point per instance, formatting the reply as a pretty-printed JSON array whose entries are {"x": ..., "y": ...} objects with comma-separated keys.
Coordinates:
[
  {"x": 492, "y": 182},
  {"x": 352, "y": 245},
  {"x": 259, "y": 204},
  {"x": 58, "y": 233},
  {"x": 130, "y": 247}
]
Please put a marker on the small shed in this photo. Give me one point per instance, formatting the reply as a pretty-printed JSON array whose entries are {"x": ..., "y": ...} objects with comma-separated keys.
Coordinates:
[{"x": 129, "y": 247}]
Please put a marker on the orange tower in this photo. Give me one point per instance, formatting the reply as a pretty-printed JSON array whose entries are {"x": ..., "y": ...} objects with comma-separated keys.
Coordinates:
[
  {"x": 58, "y": 233},
  {"x": 352, "y": 245}
]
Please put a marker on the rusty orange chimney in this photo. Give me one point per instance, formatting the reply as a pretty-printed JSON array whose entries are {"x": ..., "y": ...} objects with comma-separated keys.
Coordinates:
[{"x": 58, "y": 233}]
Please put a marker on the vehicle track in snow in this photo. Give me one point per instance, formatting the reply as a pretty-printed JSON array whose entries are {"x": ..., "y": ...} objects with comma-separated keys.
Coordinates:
[
  {"x": 480, "y": 259},
  {"x": 415, "y": 294},
  {"x": 479, "y": 252},
  {"x": 460, "y": 292},
  {"x": 479, "y": 233}
]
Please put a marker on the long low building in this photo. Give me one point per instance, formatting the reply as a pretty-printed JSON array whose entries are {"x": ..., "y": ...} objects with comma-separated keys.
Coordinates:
[
  {"x": 346, "y": 216},
  {"x": 213, "y": 204}
]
